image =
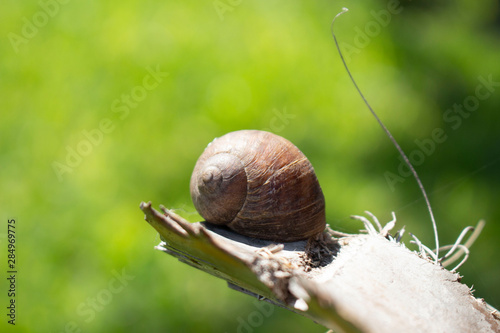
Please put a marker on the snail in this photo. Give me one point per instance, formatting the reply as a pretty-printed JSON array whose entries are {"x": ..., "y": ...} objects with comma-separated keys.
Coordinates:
[{"x": 259, "y": 185}]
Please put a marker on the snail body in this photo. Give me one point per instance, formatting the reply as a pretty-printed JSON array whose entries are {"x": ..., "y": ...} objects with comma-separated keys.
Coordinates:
[{"x": 259, "y": 185}]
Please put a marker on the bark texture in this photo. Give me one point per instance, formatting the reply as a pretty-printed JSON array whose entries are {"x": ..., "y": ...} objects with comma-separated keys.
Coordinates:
[{"x": 358, "y": 283}]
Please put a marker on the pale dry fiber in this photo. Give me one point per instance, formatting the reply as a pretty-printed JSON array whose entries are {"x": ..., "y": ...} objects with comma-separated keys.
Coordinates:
[{"x": 358, "y": 283}]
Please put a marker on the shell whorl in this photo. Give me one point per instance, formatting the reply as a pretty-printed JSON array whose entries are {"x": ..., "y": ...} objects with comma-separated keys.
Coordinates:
[
  {"x": 260, "y": 185},
  {"x": 219, "y": 187}
]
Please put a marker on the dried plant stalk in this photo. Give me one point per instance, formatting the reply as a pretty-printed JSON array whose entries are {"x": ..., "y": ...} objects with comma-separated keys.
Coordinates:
[{"x": 358, "y": 283}]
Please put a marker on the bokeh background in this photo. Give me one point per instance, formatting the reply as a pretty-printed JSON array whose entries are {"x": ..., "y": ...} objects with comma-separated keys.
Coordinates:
[{"x": 87, "y": 133}]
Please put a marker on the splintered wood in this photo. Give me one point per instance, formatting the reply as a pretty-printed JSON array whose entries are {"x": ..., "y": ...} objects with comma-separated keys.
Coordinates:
[{"x": 357, "y": 283}]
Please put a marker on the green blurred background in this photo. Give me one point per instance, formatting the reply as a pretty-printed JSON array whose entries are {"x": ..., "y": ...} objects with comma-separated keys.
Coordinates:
[{"x": 67, "y": 68}]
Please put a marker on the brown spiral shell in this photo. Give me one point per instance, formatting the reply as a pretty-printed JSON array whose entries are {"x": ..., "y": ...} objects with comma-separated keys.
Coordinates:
[{"x": 259, "y": 185}]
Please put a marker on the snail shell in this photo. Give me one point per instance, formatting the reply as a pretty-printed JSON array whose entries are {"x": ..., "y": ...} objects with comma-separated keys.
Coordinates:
[{"x": 259, "y": 185}]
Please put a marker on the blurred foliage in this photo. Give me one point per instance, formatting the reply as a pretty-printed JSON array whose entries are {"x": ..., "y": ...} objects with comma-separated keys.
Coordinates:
[{"x": 245, "y": 65}]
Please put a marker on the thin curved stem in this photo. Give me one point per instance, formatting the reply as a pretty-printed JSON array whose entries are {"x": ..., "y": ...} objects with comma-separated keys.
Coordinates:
[
  {"x": 400, "y": 150},
  {"x": 457, "y": 242},
  {"x": 475, "y": 234}
]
